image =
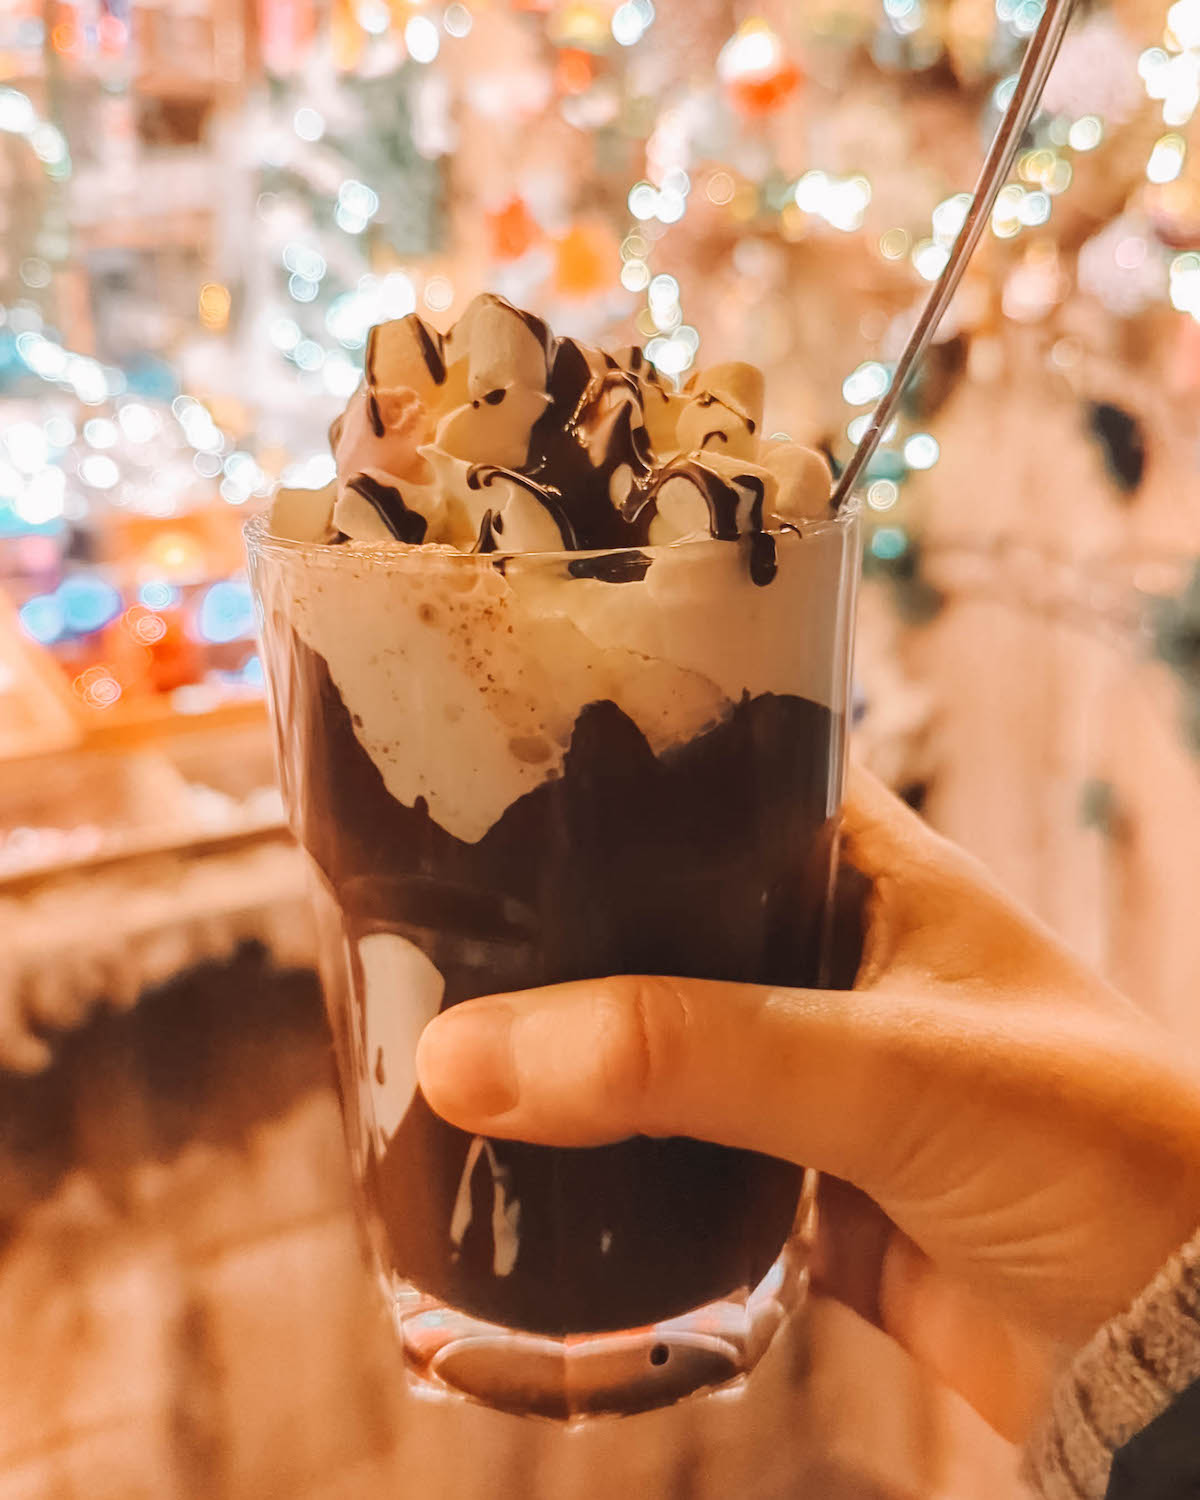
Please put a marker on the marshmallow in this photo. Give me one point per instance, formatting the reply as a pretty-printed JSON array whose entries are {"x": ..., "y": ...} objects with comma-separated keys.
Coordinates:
[
  {"x": 381, "y": 430},
  {"x": 663, "y": 409},
  {"x": 804, "y": 482},
  {"x": 522, "y": 523},
  {"x": 494, "y": 429},
  {"x": 501, "y": 347},
  {"x": 304, "y": 515},
  {"x": 406, "y": 353},
  {"x": 681, "y": 509},
  {"x": 361, "y": 520}
]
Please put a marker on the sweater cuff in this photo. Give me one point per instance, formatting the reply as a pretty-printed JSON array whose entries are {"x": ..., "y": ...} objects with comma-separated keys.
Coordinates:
[{"x": 1129, "y": 1373}]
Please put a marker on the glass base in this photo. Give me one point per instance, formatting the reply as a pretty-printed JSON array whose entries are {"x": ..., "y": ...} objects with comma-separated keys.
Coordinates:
[{"x": 577, "y": 1376}]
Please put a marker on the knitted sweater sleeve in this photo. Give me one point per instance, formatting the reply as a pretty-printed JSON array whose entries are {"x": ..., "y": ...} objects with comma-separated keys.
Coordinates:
[{"x": 1123, "y": 1384}]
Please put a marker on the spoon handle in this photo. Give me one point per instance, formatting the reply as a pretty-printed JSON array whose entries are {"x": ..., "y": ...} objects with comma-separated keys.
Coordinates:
[{"x": 1035, "y": 69}]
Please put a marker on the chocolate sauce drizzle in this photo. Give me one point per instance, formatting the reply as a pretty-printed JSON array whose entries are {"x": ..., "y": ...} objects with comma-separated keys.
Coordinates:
[
  {"x": 576, "y": 448},
  {"x": 481, "y": 476},
  {"x": 764, "y": 561},
  {"x": 537, "y": 326},
  {"x": 369, "y": 358},
  {"x": 720, "y": 497},
  {"x": 593, "y": 429},
  {"x": 710, "y": 398},
  {"x": 486, "y": 540},
  {"x": 404, "y": 524},
  {"x": 431, "y": 348},
  {"x": 429, "y": 341}
]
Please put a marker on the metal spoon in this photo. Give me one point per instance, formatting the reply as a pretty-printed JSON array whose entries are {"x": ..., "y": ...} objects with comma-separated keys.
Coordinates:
[{"x": 1039, "y": 59}]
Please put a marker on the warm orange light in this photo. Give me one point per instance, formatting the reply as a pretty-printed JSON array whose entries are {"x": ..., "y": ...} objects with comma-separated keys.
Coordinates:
[
  {"x": 574, "y": 71},
  {"x": 583, "y": 260},
  {"x": 214, "y": 302},
  {"x": 144, "y": 625},
  {"x": 174, "y": 554},
  {"x": 760, "y": 95},
  {"x": 512, "y": 230},
  {"x": 97, "y": 686}
]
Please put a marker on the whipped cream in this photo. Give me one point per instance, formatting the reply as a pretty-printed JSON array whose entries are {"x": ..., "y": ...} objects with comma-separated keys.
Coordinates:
[
  {"x": 401, "y": 993},
  {"x": 498, "y": 437},
  {"x": 464, "y": 682},
  {"x": 464, "y": 675}
]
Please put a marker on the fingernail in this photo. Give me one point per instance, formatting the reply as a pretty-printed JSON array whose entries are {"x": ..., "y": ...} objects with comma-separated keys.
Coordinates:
[{"x": 465, "y": 1061}]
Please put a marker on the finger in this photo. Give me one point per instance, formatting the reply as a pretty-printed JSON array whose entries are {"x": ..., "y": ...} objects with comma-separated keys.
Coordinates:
[
  {"x": 1002, "y": 1368},
  {"x": 934, "y": 911},
  {"x": 869, "y": 1265},
  {"x": 878, "y": 828},
  {"x": 819, "y": 1077}
]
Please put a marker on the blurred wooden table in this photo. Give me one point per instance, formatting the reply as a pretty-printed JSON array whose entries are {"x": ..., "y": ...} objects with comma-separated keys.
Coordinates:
[{"x": 184, "y": 1312}]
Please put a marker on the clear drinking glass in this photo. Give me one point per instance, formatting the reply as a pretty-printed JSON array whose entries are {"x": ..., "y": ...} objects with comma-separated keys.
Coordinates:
[{"x": 515, "y": 770}]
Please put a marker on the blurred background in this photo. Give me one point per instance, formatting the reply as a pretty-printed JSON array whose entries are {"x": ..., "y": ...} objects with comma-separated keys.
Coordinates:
[{"x": 204, "y": 205}]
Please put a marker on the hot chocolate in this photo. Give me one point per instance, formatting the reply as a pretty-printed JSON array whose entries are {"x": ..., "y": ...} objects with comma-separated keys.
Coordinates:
[{"x": 558, "y": 673}]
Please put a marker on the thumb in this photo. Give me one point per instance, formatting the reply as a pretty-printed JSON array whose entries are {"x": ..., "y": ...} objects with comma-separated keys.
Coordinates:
[
  {"x": 819, "y": 1077},
  {"x": 815, "y": 1076}
]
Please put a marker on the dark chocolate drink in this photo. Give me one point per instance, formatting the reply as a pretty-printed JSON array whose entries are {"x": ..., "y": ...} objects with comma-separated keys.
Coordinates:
[
  {"x": 560, "y": 693},
  {"x": 712, "y": 861}
]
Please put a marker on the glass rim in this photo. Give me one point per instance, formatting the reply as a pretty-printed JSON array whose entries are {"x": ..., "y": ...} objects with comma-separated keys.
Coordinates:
[{"x": 261, "y": 541}]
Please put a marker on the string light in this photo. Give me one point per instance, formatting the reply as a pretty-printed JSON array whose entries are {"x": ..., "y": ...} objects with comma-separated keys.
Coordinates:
[
  {"x": 1166, "y": 159},
  {"x": 631, "y": 21},
  {"x": 866, "y": 384},
  {"x": 323, "y": 340},
  {"x": 226, "y": 612},
  {"x": 929, "y": 259},
  {"x": 1184, "y": 284},
  {"x": 373, "y": 16},
  {"x": 921, "y": 451},
  {"x": 98, "y": 687},
  {"x": 42, "y": 499},
  {"x": 87, "y": 603},
  {"x": 140, "y": 423},
  {"x": 99, "y": 432},
  {"x": 156, "y": 593},
  {"x": 19, "y": 117},
  {"x": 421, "y": 39},
  {"x": 41, "y": 618},
  {"x": 882, "y": 494},
  {"x": 99, "y": 472},
  {"x": 458, "y": 20},
  {"x": 438, "y": 294},
  {"x": 840, "y": 201},
  {"x": 308, "y": 124},
  {"x": 357, "y": 205},
  {"x": 1085, "y": 133},
  {"x": 214, "y": 303}
]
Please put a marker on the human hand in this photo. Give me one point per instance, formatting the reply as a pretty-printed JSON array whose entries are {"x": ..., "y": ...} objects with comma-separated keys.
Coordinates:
[{"x": 1028, "y": 1141}]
